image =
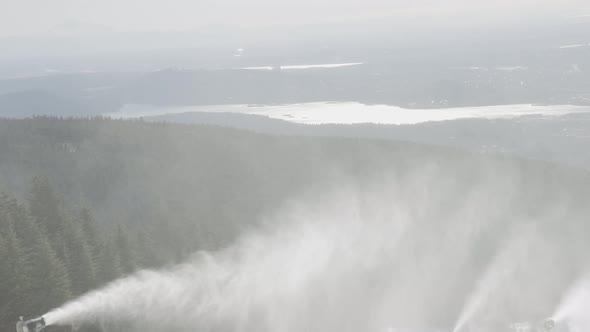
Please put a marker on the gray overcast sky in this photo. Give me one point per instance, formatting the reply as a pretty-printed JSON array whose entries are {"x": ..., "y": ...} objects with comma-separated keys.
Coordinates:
[{"x": 25, "y": 17}]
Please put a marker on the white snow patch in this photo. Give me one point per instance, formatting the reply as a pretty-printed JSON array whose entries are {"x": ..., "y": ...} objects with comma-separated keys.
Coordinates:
[{"x": 326, "y": 65}]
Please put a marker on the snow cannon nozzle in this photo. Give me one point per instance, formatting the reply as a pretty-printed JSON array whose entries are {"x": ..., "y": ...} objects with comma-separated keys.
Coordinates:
[
  {"x": 31, "y": 325},
  {"x": 549, "y": 325}
]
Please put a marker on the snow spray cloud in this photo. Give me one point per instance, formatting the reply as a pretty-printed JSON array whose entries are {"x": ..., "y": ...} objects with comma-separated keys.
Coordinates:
[
  {"x": 361, "y": 257},
  {"x": 573, "y": 310},
  {"x": 495, "y": 277},
  {"x": 525, "y": 278}
]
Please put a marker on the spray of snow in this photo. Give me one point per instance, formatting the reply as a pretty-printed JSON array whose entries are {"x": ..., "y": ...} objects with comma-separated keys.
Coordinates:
[
  {"x": 573, "y": 310},
  {"x": 495, "y": 277},
  {"x": 357, "y": 258}
]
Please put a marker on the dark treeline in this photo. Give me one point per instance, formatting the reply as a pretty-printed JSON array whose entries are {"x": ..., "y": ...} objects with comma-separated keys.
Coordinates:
[
  {"x": 530, "y": 137},
  {"x": 50, "y": 254}
]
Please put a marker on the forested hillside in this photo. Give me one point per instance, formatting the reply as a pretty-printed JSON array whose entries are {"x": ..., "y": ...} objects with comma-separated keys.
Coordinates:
[
  {"x": 197, "y": 186},
  {"x": 88, "y": 200},
  {"x": 49, "y": 254},
  {"x": 556, "y": 139}
]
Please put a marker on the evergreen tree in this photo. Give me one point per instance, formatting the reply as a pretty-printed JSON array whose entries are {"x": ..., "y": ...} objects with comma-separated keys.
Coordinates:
[
  {"x": 15, "y": 216},
  {"x": 15, "y": 272},
  {"x": 108, "y": 266},
  {"x": 88, "y": 224},
  {"x": 7, "y": 284},
  {"x": 79, "y": 262},
  {"x": 125, "y": 251},
  {"x": 49, "y": 278},
  {"x": 45, "y": 206},
  {"x": 146, "y": 256}
]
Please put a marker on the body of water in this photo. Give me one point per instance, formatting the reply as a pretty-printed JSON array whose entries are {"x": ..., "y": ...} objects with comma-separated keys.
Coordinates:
[{"x": 356, "y": 113}]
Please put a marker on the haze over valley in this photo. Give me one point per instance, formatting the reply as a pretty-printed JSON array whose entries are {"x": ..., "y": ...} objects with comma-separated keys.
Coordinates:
[{"x": 287, "y": 166}]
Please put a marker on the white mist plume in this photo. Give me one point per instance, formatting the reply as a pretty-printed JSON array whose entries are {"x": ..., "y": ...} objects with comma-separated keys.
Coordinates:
[
  {"x": 495, "y": 277},
  {"x": 573, "y": 310},
  {"x": 355, "y": 258}
]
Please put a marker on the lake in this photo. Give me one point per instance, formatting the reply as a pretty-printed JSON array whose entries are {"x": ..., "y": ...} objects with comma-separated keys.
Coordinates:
[{"x": 355, "y": 113}]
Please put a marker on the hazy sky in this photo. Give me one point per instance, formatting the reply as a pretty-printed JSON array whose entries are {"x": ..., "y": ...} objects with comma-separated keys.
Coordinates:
[{"x": 24, "y": 17}]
